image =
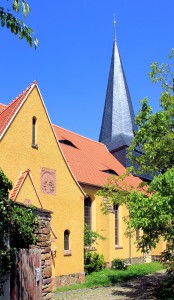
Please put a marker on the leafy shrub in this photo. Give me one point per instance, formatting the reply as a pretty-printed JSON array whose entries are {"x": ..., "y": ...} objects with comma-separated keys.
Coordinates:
[
  {"x": 119, "y": 264},
  {"x": 93, "y": 262}
]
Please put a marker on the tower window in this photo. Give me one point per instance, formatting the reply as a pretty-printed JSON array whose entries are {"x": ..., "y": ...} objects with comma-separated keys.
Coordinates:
[
  {"x": 87, "y": 211},
  {"x": 34, "y": 144}
]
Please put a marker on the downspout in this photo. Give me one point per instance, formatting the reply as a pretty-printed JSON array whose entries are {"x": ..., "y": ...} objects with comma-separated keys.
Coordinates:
[
  {"x": 130, "y": 243},
  {"x": 130, "y": 248}
]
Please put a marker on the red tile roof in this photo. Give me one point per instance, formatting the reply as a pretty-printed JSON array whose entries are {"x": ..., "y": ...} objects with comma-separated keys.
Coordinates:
[
  {"x": 2, "y": 107},
  {"x": 7, "y": 114},
  {"x": 18, "y": 184},
  {"x": 88, "y": 159}
]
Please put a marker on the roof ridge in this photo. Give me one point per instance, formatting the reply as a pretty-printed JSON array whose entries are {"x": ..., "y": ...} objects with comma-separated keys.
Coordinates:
[
  {"x": 4, "y": 106},
  {"x": 17, "y": 97},
  {"x": 79, "y": 135},
  {"x": 14, "y": 105}
]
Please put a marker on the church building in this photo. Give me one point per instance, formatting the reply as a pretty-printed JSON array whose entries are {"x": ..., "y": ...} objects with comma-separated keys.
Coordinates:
[{"x": 61, "y": 171}]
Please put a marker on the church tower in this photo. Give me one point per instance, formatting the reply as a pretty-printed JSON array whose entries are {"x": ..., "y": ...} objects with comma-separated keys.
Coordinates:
[{"x": 117, "y": 129}]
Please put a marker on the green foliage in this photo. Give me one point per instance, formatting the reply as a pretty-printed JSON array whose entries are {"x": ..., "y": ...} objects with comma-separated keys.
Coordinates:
[
  {"x": 18, "y": 27},
  {"x": 155, "y": 136},
  {"x": 151, "y": 205},
  {"x": 119, "y": 264},
  {"x": 163, "y": 73},
  {"x": 153, "y": 209},
  {"x": 114, "y": 191},
  {"x": 90, "y": 236},
  {"x": 93, "y": 262},
  {"x": 17, "y": 226}
]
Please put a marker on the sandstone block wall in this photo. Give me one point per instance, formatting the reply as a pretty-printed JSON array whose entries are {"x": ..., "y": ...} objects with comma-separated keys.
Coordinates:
[{"x": 44, "y": 244}]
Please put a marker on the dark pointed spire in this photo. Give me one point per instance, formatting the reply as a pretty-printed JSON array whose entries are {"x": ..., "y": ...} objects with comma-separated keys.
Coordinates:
[{"x": 118, "y": 117}]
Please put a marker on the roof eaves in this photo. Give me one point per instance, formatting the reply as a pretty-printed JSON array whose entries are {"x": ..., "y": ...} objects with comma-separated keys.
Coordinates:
[
  {"x": 18, "y": 185},
  {"x": 90, "y": 184}
]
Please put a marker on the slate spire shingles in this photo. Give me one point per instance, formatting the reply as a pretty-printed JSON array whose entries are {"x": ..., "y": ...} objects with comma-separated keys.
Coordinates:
[{"x": 118, "y": 117}]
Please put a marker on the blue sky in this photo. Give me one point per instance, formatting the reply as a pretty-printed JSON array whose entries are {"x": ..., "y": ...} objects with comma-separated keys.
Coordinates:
[{"x": 71, "y": 63}]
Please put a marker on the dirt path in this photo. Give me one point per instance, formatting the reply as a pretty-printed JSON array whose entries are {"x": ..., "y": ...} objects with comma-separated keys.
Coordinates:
[{"x": 140, "y": 289}]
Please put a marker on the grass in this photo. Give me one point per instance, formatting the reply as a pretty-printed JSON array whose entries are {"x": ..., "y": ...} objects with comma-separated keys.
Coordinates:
[{"x": 109, "y": 277}]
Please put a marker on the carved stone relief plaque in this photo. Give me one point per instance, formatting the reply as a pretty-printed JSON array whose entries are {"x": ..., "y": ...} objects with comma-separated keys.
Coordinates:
[{"x": 48, "y": 181}]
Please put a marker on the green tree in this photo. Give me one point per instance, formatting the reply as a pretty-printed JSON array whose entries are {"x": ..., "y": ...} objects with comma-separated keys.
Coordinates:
[
  {"x": 17, "y": 27},
  {"x": 151, "y": 206},
  {"x": 17, "y": 227}
]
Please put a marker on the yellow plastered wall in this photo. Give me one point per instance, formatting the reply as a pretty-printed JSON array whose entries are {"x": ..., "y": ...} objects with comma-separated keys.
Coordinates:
[
  {"x": 27, "y": 193},
  {"x": 159, "y": 247},
  {"x": 67, "y": 205},
  {"x": 105, "y": 225}
]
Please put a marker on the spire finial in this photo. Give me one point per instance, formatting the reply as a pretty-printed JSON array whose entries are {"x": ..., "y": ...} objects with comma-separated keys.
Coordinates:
[{"x": 114, "y": 28}]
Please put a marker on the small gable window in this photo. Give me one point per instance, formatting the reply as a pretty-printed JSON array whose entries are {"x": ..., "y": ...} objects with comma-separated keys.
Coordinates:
[
  {"x": 67, "y": 142},
  {"x": 110, "y": 171},
  {"x": 34, "y": 132}
]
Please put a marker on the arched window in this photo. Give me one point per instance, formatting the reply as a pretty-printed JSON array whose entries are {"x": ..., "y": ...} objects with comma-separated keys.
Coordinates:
[
  {"x": 116, "y": 210},
  {"x": 66, "y": 239},
  {"x": 34, "y": 142},
  {"x": 87, "y": 211}
]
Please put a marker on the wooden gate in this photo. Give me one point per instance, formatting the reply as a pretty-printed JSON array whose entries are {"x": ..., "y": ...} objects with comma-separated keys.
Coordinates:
[{"x": 26, "y": 281}]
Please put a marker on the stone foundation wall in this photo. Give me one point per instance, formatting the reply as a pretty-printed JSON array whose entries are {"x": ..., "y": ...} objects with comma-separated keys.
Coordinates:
[
  {"x": 70, "y": 279},
  {"x": 44, "y": 243},
  {"x": 156, "y": 257},
  {"x": 135, "y": 260}
]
